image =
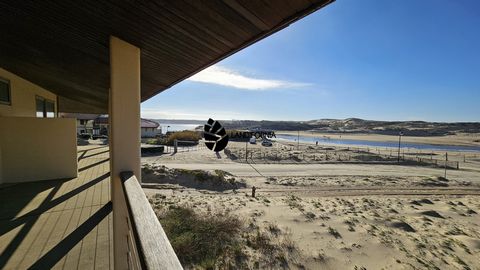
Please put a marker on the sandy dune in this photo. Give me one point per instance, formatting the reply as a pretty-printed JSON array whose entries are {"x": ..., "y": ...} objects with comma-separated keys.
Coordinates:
[{"x": 343, "y": 216}]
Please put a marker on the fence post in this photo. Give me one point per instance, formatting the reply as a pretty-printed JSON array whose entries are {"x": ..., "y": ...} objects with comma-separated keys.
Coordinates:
[{"x": 446, "y": 159}]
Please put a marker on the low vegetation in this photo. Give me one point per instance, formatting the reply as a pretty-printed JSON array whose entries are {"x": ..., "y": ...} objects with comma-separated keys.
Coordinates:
[
  {"x": 186, "y": 135},
  {"x": 217, "y": 180},
  {"x": 223, "y": 241},
  {"x": 154, "y": 141},
  {"x": 206, "y": 242}
]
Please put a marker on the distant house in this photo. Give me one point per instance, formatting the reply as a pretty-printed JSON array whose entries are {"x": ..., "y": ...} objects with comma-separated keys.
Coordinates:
[
  {"x": 85, "y": 121},
  {"x": 148, "y": 128},
  {"x": 100, "y": 125}
]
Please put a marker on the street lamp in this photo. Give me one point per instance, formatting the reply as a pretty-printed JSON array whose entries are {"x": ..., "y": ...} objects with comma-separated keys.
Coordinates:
[{"x": 400, "y": 134}]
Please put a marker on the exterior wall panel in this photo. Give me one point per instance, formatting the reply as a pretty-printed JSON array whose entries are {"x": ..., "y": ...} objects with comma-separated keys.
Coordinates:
[
  {"x": 23, "y": 95},
  {"x": 34, "y": 149}
]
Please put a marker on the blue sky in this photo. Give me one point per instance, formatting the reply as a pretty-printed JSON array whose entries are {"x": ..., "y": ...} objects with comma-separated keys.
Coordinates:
[{"x": 380, "y": 60}]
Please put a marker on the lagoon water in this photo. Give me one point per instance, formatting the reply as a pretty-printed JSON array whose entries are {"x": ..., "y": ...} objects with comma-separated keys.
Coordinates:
[
  {"x": 178, "y": 127},
  {"x": 421, "y": 146}
]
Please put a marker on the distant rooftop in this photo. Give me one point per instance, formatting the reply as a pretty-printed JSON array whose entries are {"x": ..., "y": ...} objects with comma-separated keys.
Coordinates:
[{"x": 145, "y": 123}]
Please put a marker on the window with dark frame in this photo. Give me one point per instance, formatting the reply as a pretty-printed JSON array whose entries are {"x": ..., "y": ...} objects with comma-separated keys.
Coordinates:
[
  {"x": 5, "y": 95},
  {"x": 44, "y": 108}
]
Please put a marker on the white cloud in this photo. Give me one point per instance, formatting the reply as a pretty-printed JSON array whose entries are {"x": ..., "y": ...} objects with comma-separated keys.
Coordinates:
[
  {"x": 196, "y": 114},
  {"x": 230, "y": 78}
]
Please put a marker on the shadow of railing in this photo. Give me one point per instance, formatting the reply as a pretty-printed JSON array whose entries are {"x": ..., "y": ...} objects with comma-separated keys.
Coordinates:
[
  {"x": 54, "y": 255},
  {"x": 22, "y": 233},
  {"x": 96, "y": 154},
  {"x": 93, "y": 165},
  {"x": 48, "y": 204}
]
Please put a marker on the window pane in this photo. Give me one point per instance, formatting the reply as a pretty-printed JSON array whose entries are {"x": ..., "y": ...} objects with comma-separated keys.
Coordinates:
[
  {"x": 50, "y": 109},
  {"x": 40, "y": 105},
  {"x": 4, "y": 92}
]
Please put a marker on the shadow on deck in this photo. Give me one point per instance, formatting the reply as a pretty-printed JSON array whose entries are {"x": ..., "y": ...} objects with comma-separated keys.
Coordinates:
[{"x": 60, "y": 224}]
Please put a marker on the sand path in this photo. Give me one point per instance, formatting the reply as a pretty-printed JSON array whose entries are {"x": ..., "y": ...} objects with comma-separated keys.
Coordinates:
[{"x": 265, "y": 170}]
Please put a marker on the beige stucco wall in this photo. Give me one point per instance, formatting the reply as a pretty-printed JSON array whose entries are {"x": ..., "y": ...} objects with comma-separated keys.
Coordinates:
[
  {"x": 23, "y": 95},
  {"x": 34, "y": 149}
]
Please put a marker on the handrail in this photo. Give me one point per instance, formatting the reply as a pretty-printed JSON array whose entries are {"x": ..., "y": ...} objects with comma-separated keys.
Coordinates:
[{"x": 148, "y": 245}]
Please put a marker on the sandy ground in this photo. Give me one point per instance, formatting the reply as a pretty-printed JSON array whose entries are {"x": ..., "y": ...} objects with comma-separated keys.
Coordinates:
[
  {"x": 345, "y": 216},
  {"x": 458, "y": 139}
]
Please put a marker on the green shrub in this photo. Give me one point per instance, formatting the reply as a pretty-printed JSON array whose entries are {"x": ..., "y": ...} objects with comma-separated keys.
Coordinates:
[
  {"x": 155, "y": 141},
  {"x": 186, "y": 135}
]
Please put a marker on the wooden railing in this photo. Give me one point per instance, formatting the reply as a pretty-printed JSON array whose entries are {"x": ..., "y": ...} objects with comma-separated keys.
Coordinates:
[{"x": 148, "y": 245}]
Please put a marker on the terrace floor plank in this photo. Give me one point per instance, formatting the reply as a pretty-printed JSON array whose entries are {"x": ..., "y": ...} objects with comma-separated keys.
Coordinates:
[{"x": 60, "y": 224}]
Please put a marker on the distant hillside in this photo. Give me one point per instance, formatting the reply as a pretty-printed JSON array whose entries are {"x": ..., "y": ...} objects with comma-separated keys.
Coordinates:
[
  {"x": 356, "y": 125},
  {"x": 273, "y": 125},
  {"x": 411, "y": 128},
  {"x": 179, "y": 121},
  {"x": 349, "y": 125}
]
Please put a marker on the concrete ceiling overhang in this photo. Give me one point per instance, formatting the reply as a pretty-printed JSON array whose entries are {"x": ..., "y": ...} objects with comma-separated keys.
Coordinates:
[{"x": 63, "y": 45}]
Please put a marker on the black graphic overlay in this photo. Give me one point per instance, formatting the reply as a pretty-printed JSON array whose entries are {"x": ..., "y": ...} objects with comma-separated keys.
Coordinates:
[{"x": 216, "y": 137}]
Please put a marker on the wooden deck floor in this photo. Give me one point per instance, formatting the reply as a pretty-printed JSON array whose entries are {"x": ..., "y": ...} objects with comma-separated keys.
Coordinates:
[{"x": 60, "y": 224}]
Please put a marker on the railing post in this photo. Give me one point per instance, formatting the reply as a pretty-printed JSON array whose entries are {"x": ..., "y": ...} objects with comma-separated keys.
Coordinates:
[{"x": 124, "y": 136}]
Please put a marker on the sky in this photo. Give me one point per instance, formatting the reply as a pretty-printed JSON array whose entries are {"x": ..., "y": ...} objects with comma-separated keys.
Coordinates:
[{"x": 371, "y": 59}]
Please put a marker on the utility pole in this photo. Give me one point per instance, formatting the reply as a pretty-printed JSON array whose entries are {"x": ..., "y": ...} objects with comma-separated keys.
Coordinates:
[
  {"x": 246, "y": 151},
  {"x": 399, "y": 142}
]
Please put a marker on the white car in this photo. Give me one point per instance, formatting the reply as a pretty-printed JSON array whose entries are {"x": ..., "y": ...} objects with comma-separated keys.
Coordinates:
[{"x": 253, "y": 140}]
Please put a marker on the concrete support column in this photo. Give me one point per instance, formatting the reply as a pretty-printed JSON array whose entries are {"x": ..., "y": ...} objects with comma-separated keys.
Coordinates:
[{"x": 124, "y": 135}]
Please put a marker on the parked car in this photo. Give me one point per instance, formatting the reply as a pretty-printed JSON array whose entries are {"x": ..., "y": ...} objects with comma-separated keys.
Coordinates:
[
  {"x": 253, "y": 140},
  {"x": 267, "y": 143},
  {"x": 84, "y": 136},
  {"x": 96, "y": 137}
]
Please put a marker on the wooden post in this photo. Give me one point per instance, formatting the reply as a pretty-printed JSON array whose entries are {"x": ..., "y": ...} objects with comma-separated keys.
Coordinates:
[{"x": 446, "y": 159}]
